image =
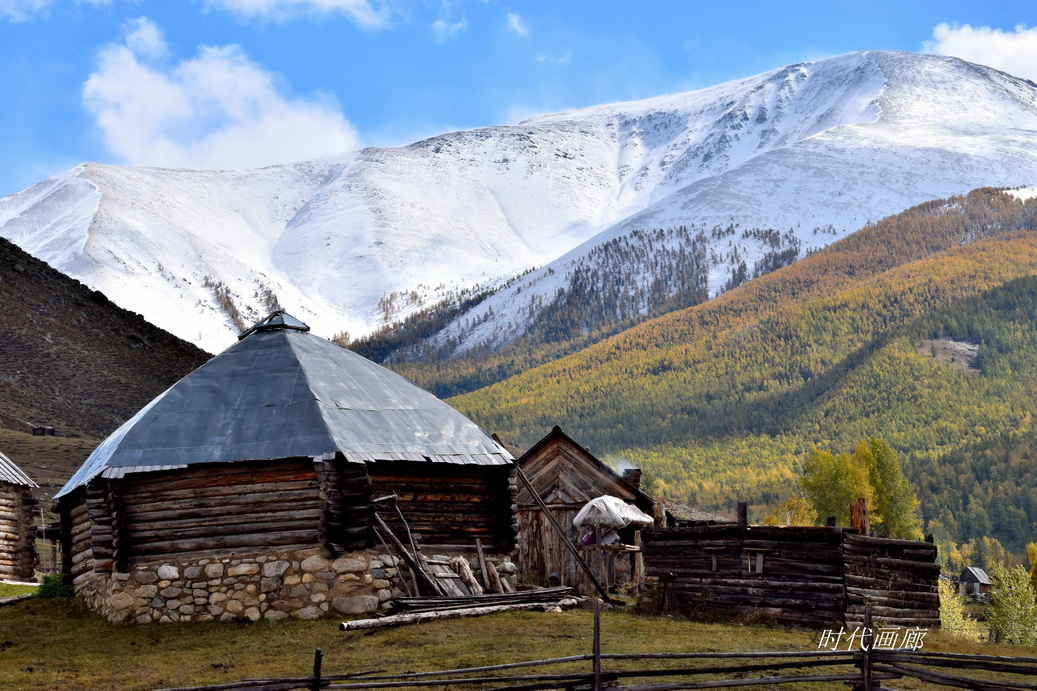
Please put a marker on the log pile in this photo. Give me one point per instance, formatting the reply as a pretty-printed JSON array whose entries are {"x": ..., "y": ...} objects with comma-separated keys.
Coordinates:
[
  {"x": 17, "y": 536},
  {"x": 807, "y": 576},
  {"x": 416, "y": 610},
  {"x": 431, "y": 604}
]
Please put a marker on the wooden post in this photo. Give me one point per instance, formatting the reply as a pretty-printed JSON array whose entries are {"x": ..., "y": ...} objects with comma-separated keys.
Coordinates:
[
  {"x": 859, "y": 516},
  {"x": 318, "y": 658},
  {"x": 743, "y": 515},
  {"x": 637, "y": 563},
  {"x": 867, "y": 642},
  {"x": 667, "y": 579},
  {"x": 482, "y": 564},
  {"x": 599, "y": 556},
  {"x": 597, "y": 645}
]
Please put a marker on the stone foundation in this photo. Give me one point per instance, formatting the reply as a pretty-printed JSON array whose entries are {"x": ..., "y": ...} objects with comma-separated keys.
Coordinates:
[
  {"x": 276, "y": 585},
  {"x": 299, "y": 584}
]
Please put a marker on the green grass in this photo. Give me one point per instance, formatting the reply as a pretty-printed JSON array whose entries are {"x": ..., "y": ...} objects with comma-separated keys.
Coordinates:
[
  {"x": 9, "y": 589},
  {"x": 58, "y": 645}
]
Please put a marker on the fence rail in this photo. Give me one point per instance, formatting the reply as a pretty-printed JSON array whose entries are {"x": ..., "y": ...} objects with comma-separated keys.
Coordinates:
[
  {"x": 864, "y": 670},
  {"x": 770, "y": 667}
]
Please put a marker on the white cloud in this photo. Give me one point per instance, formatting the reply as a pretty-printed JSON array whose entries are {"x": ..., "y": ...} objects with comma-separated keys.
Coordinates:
[
  {"x": 563, "y": 59},
  {"x": 1014, "y": 52},
  {"x": 24, "y": 10},
  {"x": 368, "y": 14},
  {"x": 444, "y": 31},
  {"x": 145, "y": 39},
  {"x": 218, "y": 109},
  {"x": 516, "y": 24}
]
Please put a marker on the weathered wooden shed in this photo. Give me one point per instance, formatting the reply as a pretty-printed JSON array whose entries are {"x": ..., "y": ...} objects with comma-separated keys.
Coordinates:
[
  {"x": 17, "y": 535},
  {"x": 247, "y": 489},
  {"x": 973, "y": 581},
  {"x": 566, "y": 476},
  {"x": 806, "y": 576}
]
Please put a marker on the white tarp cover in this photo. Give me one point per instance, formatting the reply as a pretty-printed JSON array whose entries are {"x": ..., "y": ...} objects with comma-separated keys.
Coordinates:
[{"x": 612, "y": 512}]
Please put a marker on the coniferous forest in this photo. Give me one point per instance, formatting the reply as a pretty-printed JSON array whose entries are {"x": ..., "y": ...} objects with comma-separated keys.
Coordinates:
[{"x": 723, "y": 400}]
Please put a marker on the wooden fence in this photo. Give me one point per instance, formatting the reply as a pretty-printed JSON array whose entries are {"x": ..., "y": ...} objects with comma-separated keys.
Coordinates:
[
  {"x": 721, "y": 670},
  {"x": 865, "y": 669}
]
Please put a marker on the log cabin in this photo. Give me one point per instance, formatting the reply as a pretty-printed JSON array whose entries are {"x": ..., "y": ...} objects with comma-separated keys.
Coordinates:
[
  {"x": 566, "y": 476},
  {"x": 973, "y": 581},
  {"x": 17, "y": 535},
  {"x": 798, "y": 575},
  {"x": 249, "y": 488}
]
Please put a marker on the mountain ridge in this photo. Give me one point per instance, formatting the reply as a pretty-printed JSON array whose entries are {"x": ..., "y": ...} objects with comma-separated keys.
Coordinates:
[
  {"x": 351, "y": 243},
  {"x": 719, "y": 402}
]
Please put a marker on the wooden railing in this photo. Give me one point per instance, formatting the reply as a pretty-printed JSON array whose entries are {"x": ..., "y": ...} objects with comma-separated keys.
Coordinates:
[
  {"x": 728, "y": 670},
  {"x": 863, "y": 669}
]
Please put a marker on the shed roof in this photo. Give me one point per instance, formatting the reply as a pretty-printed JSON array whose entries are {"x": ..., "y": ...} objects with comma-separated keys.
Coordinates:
[
  {"x": 565, "y": 472},
  {"x": 974, "y": 574},
  {"x": 12, "y": 474},
  {"x": 282, "y": 392}
]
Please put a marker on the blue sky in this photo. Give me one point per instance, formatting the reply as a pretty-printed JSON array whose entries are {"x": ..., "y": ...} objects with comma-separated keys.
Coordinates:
[{"x": 241, "y": 83}]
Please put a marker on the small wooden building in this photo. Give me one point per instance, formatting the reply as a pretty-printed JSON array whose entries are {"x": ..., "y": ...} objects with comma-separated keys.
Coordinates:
[
  {"x": 249, "y": 488},
  {"x": 973, "y": 581},
  {"x": 17, "y": 535},
  {"x": 806, "y": 576},
  {"x": 567, "y": 476}
]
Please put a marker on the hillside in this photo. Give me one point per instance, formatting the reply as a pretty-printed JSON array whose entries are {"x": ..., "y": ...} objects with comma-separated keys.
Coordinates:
[
  {"x": 719, "y": 400},
  {"x": 758, "y": 172},
  {"x": 72, "y": 360}
]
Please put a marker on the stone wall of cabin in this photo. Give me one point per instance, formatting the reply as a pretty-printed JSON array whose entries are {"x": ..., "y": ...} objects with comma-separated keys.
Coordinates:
[
  {"x": 17, "y": 538},
  {"x": 276, "y": 585}
]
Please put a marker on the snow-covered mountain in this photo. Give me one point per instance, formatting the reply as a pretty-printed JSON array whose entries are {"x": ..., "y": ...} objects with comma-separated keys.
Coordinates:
[{"x": 807, "y": 153}]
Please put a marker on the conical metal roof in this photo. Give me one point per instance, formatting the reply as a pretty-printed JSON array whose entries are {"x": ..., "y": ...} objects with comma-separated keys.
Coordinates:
[
  {"x": 281, "y": 392},
  {"x": 12, "y": 474}
]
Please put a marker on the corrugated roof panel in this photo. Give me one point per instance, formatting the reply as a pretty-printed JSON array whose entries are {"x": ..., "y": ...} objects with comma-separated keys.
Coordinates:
[{"x": 11, "y": 473}]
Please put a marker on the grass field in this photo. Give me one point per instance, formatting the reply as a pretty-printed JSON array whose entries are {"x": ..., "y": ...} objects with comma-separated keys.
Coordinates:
[
  {"x": 57, "y": 645},
  {"x": 9, "y": 589}
]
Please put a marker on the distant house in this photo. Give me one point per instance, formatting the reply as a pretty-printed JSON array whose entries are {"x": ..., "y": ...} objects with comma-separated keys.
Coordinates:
[
  {"x": 249, "y": 488},
  {"x": 566, "y": 476},
  {"x": 973, "y": 581},
  {"x": 17, "y": 536},
  {"x": 805, "y": 576}
]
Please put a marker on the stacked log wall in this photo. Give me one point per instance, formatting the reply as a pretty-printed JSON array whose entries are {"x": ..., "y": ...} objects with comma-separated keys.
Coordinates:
[
  {"x": 79, "y": 553},
  {"x": 449, "y": 506},
  {"x": 345, "y": 505},
  {"x": 898, "y": 578},
  {"x": 218, "y": 509},
  {"x": 801, "y": 581},
  {"x": 17, "y": 537},
  {"x": 811, "y": 576}
]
